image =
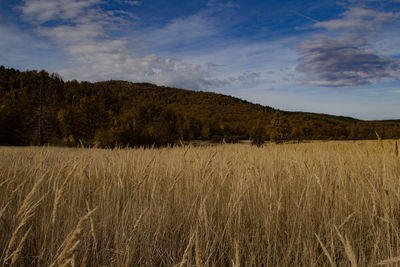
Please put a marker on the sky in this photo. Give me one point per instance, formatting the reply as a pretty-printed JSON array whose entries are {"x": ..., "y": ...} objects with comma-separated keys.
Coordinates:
[{"x": 323, "y": 56}]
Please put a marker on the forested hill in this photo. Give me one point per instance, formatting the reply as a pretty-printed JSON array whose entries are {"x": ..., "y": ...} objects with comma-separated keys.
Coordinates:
[{"x": 40, "y": 108}]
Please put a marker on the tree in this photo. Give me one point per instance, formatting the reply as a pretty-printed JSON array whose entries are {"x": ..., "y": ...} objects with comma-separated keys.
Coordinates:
[
  {"x": 192, "y": 129},
  {"x": 166, "y": 127},
  {"x": 92, "y": 115},
  {"x": 205, "y": 132},
  {"x": 258, "y": 135},
  {"x": 278, "y": 129}
]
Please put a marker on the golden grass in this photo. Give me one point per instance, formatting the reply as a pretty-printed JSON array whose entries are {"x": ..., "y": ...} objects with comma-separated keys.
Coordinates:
[{"x": 309, "y": 204}]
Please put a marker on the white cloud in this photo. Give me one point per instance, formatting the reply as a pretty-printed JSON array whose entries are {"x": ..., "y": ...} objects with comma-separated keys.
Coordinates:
[
  {"x": 254, "y": 57},
  {"x": 222, "y": 4},
  {"x": 182, "y": 31},
  {"x": 329, "y": 63},
  {"x": 360, "y": 21},
  {"x": 348, "y": 60},
  {"x": 130, "y": 2},
  {"x": 40, "y": 11},
  {"x": 73, "y": 34},
  {"x": 389, "y": 42},
  {"x": 238, "y": 64},
  {"x": 101, "y": 64},
  {"x": 134, "y": 3},
  {"x": 22, "y": 49},
  {"x": 93, "y": 53}
]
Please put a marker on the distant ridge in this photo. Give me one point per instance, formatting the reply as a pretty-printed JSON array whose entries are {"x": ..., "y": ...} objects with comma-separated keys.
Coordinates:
[{"x": 39, "y": 108}]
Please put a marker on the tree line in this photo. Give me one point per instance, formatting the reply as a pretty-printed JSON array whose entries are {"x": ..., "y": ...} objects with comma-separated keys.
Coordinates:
[{"x": 38, "y": 108}]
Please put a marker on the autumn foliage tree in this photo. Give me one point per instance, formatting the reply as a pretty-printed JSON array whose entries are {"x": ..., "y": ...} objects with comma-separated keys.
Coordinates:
[
  {"x": 39, "y": 108},
  {"x": 278, "y": 128}
]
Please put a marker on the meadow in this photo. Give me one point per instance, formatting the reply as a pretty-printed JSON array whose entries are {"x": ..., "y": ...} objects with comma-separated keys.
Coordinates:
[{"x": 307, "y": 204}]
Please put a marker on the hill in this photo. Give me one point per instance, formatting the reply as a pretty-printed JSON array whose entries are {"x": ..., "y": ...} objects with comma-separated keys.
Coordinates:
[{"x": 39, "y": 108}]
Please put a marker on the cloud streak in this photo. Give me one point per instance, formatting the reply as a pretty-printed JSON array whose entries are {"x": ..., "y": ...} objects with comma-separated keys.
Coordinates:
[{"x": 347, "y": 60}]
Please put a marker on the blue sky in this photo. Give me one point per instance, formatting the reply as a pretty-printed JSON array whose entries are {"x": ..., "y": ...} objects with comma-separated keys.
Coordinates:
[{"x": 335, "y": 57}]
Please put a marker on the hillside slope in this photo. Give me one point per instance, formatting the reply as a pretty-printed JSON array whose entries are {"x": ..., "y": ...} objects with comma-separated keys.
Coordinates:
[{"x": 38, "y": 108}]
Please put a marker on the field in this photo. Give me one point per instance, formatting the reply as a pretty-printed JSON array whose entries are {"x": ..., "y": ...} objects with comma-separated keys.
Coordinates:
[{"x": 308, "y": 204}]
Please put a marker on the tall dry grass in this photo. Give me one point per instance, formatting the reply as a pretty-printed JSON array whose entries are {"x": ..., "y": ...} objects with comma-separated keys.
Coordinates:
[{"x": 316, "y": 204}]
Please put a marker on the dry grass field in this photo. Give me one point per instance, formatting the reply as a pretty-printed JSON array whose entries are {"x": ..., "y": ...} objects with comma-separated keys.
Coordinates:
[{"x": 309, "y": 204}]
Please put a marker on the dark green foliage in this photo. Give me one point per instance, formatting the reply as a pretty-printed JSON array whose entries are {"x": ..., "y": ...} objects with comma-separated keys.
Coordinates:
[
  {"x": 258, "y": 135},
  {"x": 40, "y": 108}
]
